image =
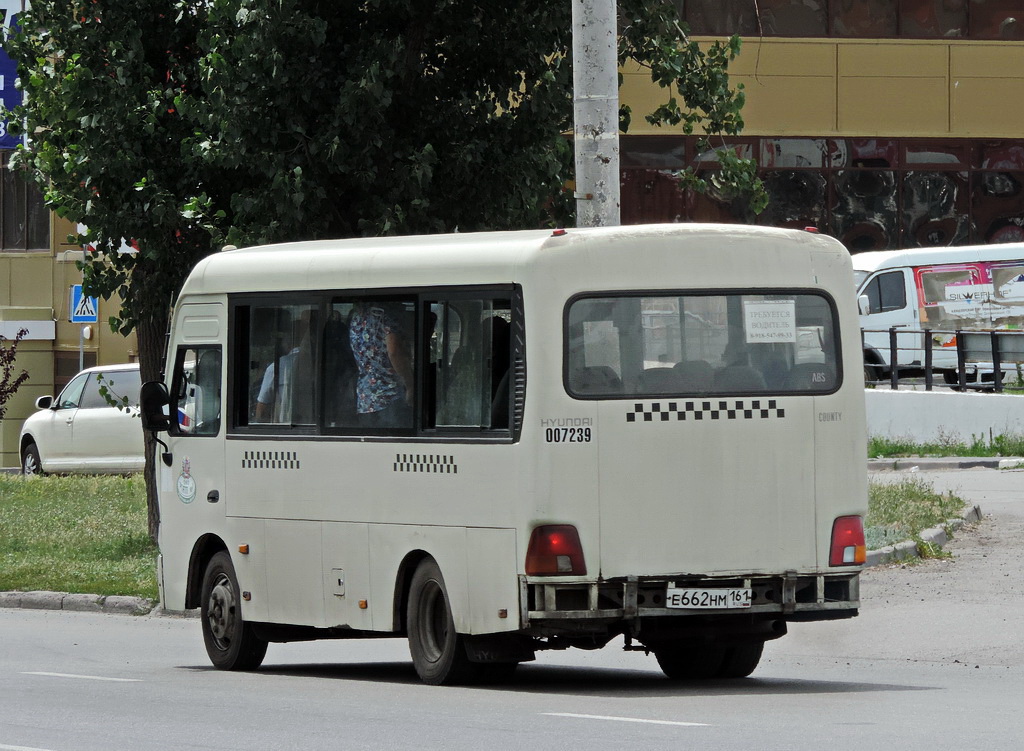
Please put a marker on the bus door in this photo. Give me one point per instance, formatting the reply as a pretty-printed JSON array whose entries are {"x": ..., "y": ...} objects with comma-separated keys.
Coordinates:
[{"x": 193, "y": 499}]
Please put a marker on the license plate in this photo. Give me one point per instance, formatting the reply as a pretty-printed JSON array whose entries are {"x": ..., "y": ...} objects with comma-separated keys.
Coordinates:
[{"x": 707, "y": 599}]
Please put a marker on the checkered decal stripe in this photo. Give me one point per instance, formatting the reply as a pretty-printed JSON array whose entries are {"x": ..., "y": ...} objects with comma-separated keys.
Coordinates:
[
  {"x": 757, "y": 409},
  {"x": 429, "y": 463},
  {"x": 270, "y": 460}
]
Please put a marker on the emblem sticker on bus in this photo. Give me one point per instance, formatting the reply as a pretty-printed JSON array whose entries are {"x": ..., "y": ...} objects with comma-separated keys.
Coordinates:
[{"x": 186, "y": 483}]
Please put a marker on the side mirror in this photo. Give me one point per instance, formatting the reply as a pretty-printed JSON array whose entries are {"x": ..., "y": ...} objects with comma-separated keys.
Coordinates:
[
  {"x": 44, "y": 402},
  {"x": 153, "y": 402},
  {"x": 863, "y": 305}
]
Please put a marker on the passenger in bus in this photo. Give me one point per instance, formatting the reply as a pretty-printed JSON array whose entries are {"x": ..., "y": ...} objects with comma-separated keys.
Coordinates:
[
  {"x": 284, "y": 393},
  {"x": 339, "y": 373},
  {"x": 384, "y": 386},
  {"x": 274, "y": 400}
]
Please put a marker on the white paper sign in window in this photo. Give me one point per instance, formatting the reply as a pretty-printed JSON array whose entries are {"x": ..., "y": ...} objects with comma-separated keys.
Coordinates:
[{"x": 768, "y": 321}]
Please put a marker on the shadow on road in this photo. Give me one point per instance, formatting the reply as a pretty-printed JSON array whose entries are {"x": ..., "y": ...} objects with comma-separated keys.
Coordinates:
[{"x": 584, "y": 681}]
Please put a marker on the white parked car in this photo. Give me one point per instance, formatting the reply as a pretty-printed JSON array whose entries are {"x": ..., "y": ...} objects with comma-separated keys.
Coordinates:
[{"x": 80, "y": 431}]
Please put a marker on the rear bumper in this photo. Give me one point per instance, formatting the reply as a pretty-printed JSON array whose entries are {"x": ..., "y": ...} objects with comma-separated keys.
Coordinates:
[{"x": 790, "y": 597}]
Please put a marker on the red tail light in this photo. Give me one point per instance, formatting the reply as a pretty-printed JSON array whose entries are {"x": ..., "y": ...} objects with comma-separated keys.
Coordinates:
[
  {"x": 848, "y": 548},
  {"x": 555, "y": 550}
]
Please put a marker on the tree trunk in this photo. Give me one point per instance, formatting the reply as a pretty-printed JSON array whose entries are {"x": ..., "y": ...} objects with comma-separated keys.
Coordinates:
[{"x": 151, "y": 334}]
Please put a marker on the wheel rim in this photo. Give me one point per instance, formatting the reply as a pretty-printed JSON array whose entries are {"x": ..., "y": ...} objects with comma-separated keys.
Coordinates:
[
  {"x": 435, "y": 621},
  {"x": 29, "y": 465},
  {"x": 222, "y": 611}
]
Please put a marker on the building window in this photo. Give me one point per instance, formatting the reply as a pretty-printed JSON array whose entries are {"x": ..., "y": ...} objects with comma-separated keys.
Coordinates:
[
  {"x": 66, "y": 364},
  {"x": 24, "y": 220},
  {"x": 870, "y": 193},
  {"x": 870, "y": 19}
]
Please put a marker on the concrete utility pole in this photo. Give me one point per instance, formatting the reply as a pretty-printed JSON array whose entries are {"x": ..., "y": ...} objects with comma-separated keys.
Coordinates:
[{"x": 596, "y": 111}]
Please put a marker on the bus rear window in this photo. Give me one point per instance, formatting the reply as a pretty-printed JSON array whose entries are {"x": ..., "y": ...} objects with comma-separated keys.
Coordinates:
[{"x": 629, "y": 346}]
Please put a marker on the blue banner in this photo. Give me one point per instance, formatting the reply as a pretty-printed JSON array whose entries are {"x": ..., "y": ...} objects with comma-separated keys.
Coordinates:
[{"x": 9, "y": 95}]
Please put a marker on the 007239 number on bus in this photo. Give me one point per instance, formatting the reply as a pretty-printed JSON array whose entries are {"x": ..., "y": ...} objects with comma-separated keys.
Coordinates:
[{"x": 568, "y": 435}]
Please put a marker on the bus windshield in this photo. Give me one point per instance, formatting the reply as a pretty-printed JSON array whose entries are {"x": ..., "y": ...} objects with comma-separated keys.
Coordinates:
[{"x": 632, "y": 345}]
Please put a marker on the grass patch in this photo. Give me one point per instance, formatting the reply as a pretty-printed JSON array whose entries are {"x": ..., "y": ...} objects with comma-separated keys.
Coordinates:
[
  {"x": 88, "y": 534},
  {"x": 1000, "y": 445},
  {"x": 76, "y": 534},
  {"x": 900, "y": 510}
]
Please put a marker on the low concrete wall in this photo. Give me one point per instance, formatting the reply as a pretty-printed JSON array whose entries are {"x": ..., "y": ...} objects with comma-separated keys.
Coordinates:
[{"x": 928, "y": 416}]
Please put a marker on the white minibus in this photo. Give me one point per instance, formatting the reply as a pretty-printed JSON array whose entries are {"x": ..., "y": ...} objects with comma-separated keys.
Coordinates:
[
  {"x": 936, "y": 292},
  {"x": 500, "y": 443}
]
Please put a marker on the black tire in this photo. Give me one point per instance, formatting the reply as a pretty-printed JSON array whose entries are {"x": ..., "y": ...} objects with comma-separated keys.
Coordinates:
[
  {"x": 691, "y": 662},
  {"x": 30, "y": 464},
  {"x": 438, "y": 653},
  {"x": 230, "y": 642},
  {"x": 741, "y": 660},
  {"x": 707, "y": 661}
]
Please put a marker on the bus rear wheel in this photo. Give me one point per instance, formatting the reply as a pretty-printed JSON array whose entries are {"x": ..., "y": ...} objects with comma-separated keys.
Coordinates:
[
  {"x": 231, "y": 643},
  {"x": 706, "y": 661},
  {"x": 438, "y": 652}
]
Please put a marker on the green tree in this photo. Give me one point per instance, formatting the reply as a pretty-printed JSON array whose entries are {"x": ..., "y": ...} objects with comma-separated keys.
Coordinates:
[{"x": 186, "y": 124}]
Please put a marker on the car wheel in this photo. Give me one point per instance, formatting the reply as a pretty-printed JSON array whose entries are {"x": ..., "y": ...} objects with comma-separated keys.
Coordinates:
[
  {"x": 231, "y": 643},
  {"x": 30, "y": 464},
  {"x": 438, "y": 653}
]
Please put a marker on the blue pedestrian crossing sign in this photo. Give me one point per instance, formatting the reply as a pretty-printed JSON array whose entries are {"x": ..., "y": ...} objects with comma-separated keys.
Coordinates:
[{"x": 83, "y": 309}]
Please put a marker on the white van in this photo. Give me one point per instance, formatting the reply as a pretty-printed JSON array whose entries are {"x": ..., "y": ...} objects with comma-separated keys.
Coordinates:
[
  {"x": 500, "y": 443},
  {"x": 936, "y": 292}
]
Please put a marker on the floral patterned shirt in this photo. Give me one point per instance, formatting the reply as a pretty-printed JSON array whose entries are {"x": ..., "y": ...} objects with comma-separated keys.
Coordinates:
[{"x": 378, "y": 385}]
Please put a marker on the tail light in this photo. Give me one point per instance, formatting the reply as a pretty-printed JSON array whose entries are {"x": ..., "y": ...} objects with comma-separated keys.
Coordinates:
[
  {"x": 555, "y": 550},
  {"x": 848, "y": 548}
]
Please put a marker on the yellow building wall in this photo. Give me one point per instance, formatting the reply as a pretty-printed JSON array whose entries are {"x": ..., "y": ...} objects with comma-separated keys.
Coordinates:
[
  {"x": 36, "y": 286},
  {"x": 862, "y": 88}
]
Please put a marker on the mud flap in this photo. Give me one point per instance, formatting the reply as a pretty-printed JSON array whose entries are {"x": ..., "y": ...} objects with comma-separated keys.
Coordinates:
[{"x": 499, "y": 648}]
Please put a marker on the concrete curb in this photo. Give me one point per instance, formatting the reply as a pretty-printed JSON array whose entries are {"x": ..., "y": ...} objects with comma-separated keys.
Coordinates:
[
  {"x": 937, "y": 536},
  {"x": 911, "y": 464},
  {"x": 114, "y": 604}
]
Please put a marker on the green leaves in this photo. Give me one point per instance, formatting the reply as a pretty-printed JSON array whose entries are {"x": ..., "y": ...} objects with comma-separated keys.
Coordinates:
[{"x": 182, "y": 124}]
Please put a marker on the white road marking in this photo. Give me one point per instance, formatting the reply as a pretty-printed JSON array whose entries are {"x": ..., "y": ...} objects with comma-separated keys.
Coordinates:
[
  {"x": 626, "y": 719},
  {"x": 19, "y": 748},
  {"x": 84, "y": 677}
]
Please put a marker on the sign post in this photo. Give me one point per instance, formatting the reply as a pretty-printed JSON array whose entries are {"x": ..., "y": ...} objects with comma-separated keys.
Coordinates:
[
  {"x": 82, "y": 310},
  {"x": 595, "y": 75}
]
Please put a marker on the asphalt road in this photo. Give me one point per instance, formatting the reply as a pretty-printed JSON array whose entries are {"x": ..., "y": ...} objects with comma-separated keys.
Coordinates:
[{"x": 936, "y": 660}]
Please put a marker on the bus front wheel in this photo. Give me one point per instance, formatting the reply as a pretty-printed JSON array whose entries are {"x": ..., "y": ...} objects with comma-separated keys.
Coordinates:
[
  {"x": 231, "y": 643},
  {"x": 438, "y": 653}
]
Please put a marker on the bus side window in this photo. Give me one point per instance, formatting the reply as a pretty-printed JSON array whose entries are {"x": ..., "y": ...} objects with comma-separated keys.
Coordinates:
[
  {"x": 282, "y": 356},
  {"x": 470, "y": 355}
]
